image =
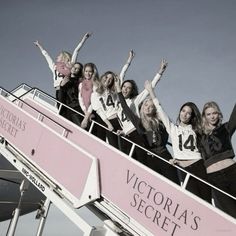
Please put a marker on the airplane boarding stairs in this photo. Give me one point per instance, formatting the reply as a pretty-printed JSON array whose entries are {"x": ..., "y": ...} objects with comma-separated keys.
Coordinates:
[{"x": 72, "y": 168}]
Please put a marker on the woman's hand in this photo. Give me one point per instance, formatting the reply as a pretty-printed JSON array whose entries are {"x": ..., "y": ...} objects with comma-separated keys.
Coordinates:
[
  {"x": 173, "y": 161},
  {"x": 163, "y": 66},
  {"x": 64, "y": 81},
  {"x": 84, "y": 123},
  {"x": 120, "y": 132},
  {"x": 86, "y": 36},
  {"x": 110, "y": 127},
  {"x": 36, "y": 43},
  {"x": 131, "y": 56}
]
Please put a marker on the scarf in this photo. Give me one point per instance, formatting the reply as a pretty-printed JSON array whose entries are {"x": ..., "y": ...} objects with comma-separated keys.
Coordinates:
[
  {"x": 63, "y": 68},
  {"x": 86, "y": 91}
]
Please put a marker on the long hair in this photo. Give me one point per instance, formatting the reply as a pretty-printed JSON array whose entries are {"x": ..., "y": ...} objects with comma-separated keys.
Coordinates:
[
  {"x": 149, "y": 122},
  {"x": 95, "y": 75},
  {"x": 65, "y": 57},
  {"x": 100, "y": 89},
  {"x": 80, "y": 73},
  {"x": 134, "y": 91},
  {"x": 205, "y": 124},
  {"x": 195, "y": 119}
]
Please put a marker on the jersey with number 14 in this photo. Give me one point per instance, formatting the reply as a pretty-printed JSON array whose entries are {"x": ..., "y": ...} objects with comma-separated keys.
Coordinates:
[
  {"x": 133, "y": 104},
  {"x": 104, "y": 104},
  {"x": 126, "y": 124},
  {"x": 183, "y": 138}
]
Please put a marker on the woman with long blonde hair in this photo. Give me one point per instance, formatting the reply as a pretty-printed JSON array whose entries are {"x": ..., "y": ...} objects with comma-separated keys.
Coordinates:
[
  {"x": 88, "y": 84},
  {"x": 219, "y": 155},
  {"x": 153, "y": 134},
  {"x": 63, "y": 64}
]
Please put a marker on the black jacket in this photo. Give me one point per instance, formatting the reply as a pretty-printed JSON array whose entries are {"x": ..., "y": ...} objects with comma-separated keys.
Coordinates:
[
  {"x": 155, "y": 140},
  {"x": 217, "y": 145},
  {"x": 68, "y": 94}
]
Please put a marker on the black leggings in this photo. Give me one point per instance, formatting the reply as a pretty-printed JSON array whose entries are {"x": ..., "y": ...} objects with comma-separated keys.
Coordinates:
[
  {"x": 225, "y": 180},
  {"x": 139, "y": 154},
  {"x": 163, "y": 167},
  {"x": 72, "y": 115},
  {"x": 113, "y": 138},
  {"x": 194, "y": 185},
  {"x": 98, "y": 130}
]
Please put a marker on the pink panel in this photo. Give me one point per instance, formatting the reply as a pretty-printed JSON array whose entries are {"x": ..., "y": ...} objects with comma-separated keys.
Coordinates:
[
  {"x": 160, "y": 207},
  {"x": 52, "y": 115},
  {"x": 68, "y": 166},
  {"x": 27, "y": 107}
]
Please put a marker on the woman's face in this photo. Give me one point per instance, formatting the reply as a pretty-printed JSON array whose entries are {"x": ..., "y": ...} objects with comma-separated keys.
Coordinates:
[
  {"x": 148, "y": 107},
  {"x": 88, "y": 72},
  {"x": 126, "y": 89},
  {"x": 185, "y": 115},
  {"x": 212, "y": 116},
  {"x": 107, "y": 80},
  {"x": 75, "y": 69}
]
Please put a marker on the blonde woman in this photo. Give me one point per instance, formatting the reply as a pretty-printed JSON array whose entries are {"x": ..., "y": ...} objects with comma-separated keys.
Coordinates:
[
  {"x": 63, "y": 64},
  {"x": 104, "y": 101},
  {"x": 89, "y": 83},
  {"x": 219, "y": 155},
  {"x": 153, "y": 135}
]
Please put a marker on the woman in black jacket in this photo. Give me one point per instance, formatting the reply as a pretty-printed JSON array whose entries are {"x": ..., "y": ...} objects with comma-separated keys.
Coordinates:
[
  {"x": 153, "y": 133},
  {"x": 218, "y": 155}
]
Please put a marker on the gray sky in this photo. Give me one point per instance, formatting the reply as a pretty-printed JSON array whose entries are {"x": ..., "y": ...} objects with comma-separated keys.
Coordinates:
[{"x": 197, "y": 38}]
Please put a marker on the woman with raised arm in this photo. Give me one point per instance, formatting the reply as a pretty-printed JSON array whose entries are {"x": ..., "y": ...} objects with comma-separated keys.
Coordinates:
[
  {"x": 219, "y": 155},
  {"x": 152, "y": 134},
  {"x": 185, "y": 135},
  {"x": 129, "y": 88},
  {"x": 61, "y": 68},
  {"x": 75, "y": 54},
  {"x": 104, "y": 101},
  {"x": 133, "y": 99}
]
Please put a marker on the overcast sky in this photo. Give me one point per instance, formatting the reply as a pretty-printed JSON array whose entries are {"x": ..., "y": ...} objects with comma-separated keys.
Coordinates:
[{"x": 197, "y": 38}]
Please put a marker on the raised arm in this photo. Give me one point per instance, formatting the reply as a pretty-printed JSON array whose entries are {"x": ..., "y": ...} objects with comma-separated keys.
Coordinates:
[
  {"x": 156, "y": 79},
  {"x": 126, "y": 66},
  {"x": 46, "y": 55},
  {"x": 126, "y": 109},
  {"x": 161, "y": 113},
  {"x": 117, "y": 84},
  {"x": 232, "y": 121},
  {"x": 149, "y": 88},
  {"x": 79, "y": 46},
  {"x": 36, "y": 43}
]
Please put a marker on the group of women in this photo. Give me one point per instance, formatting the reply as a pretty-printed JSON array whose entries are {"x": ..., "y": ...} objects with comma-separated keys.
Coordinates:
[{"x": 201, "y": 143}]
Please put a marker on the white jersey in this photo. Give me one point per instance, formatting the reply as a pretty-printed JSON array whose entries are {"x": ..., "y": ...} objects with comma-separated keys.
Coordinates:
[
  {"x": 134, "y": 103},
  {"x": 104, "y": 104},
  {"x": 126, "y": 124},
  {"x": 183, "y": 139},
  {"x": 57, "y": 76}
]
